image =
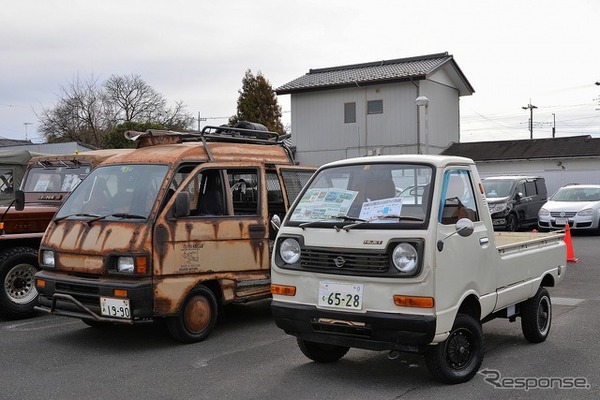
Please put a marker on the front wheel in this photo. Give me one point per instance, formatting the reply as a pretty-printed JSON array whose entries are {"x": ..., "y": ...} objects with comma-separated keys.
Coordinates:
[
  {"x": 536, "y": 316},
  {"x": 458, "y": 358},
  {"x": 511, "y": 223},
  {"x": 18, "y": 295},
  {"x": 196, "y": 318},
  {"x": 322, "y": 353}
]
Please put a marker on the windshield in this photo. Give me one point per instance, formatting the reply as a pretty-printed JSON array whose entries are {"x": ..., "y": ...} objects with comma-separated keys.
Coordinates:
[
  {"x": 123, "y": 190},
  {"x": 55, "y": 179},
  {"x": 497, "y": 188},
  {"x": 577, "y": 194},
  {"x": 371, "y": 193}
]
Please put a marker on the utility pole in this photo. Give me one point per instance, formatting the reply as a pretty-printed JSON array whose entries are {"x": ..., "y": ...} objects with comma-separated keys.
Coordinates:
[
  {"x": 553, "y": 125},
  {"x": 530, "y": 107},
  {"x": 26, "y": 124}
]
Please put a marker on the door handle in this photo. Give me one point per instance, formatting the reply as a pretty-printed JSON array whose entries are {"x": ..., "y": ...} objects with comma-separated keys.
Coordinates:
[{"x": 483, "y": 241}]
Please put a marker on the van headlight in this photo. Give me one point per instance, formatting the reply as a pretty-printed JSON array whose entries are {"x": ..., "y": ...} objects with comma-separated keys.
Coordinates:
[
  {"x": 125, "y": 265},
  {"x": 48, "y": 258},
  {"x": 405, "y": 258},
  {"x": 289, "y": 251}
]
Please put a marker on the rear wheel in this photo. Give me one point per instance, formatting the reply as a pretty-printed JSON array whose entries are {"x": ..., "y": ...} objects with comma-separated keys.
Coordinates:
[
  {"x": 323, "y": 353},
  {"x": 197, "y": 316},
  {"x": 18, "y": 295},
  {"x": 536, "y": 316},
  {"x": 458, "y": 358}
]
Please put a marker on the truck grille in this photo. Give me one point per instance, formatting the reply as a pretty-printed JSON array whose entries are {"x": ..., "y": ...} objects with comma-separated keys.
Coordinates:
[{"x": 344, "y": 262}]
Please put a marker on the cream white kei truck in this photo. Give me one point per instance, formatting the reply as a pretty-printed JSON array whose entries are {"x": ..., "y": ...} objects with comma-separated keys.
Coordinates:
[{"x": 399, "y": 253}]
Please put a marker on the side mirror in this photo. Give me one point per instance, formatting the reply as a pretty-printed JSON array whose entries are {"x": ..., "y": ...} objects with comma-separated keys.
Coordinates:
[
  {"x": 276, "y": 222},
  {"x": 518, "y": 196},
  {"x": 19, "y": 200},
  {"x": 181, "y": 207},
  {"x": 464, "y": 227}
]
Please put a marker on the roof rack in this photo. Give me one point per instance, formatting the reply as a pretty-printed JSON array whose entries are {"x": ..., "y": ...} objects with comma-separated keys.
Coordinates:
[{"x": 152, "y": 137}]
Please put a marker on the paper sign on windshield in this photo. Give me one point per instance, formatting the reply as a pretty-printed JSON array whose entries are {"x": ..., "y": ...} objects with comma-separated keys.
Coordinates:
[
  {"x": 379, "y": 209},
  {"x": 318, "y": 204}
]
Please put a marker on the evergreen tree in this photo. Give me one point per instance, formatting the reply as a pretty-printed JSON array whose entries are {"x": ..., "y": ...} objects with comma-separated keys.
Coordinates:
[{"x": 258, "y": 103}]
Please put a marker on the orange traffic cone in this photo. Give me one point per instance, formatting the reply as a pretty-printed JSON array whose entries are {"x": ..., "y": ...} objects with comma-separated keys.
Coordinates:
[{"x": 569, "y": 243}]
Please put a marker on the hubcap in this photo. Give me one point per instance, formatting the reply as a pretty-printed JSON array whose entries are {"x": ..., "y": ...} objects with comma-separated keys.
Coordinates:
[
  {"x": 198, "y": 314},
  {"x": 458, "y": 349},
  {"x": 543, "y": 315},
  {"x": 19, "y": 284}
]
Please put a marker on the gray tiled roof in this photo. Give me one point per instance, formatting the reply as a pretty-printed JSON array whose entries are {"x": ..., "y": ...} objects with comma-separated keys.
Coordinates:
[
  {"x": 574, "y": 146},
  {"x": 368, "y": 73}
]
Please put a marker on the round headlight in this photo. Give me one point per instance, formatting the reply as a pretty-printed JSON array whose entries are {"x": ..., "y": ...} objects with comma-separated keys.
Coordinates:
[
  {"x": 290, "y": 251},
  {"x": 405, "y": 258}
]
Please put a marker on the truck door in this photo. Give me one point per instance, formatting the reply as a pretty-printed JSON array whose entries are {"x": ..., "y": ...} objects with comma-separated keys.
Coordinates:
[
  {"x": 225, "y": 230},
  {"x": 465, "y": 263}
]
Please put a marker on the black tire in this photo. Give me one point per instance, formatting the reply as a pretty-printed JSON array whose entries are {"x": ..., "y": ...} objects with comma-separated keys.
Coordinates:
[
  {"x": 512, "y": 225},
  {"x": 320, "y": 352},
  {"x": 536, "y": 316},
  {"x": 18, "y": 295},
  {"x": 458, "y": 358},
  {"x": 196, "y": 318}
]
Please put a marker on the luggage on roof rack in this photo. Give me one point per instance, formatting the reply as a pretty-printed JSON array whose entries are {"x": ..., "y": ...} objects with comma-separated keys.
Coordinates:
[{"x": 242, "y": 132}]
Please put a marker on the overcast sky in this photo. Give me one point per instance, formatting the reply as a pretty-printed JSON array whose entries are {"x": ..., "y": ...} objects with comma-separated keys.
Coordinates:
[{"x": 197, "y": 52}]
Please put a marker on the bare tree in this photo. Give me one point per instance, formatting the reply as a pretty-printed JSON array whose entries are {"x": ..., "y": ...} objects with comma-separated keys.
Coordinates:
[
  {"x": 78, "y": 115},
  {"x": 133, "y": 99},
  {"x": 88, "y": 111}
]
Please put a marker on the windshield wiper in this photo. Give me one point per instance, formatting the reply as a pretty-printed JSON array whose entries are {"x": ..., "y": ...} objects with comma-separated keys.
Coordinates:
[
  {"x": 116, "y": 215},
  {"x": 344, "y": 218},
  {"x": 400, "y": 217},
  {"x": 388, "y": 216},
  {"x": 56, "y": 220}
]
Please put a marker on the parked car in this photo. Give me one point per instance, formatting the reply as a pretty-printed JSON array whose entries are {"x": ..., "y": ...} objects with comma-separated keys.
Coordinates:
[
  {"x": 577, "y": 205},
  {"x": 413, "y": 194},
  {"x": 514, "y": 201}
]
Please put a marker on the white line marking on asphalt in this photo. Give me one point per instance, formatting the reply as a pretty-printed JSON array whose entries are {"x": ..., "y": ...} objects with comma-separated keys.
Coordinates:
[{"x": 37, "y": 325}]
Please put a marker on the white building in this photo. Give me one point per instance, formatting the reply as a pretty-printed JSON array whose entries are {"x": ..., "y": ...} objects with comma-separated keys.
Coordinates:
[{"x": 371, "y": 108}]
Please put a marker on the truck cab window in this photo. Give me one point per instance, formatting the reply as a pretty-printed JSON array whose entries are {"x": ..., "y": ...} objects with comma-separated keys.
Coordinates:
[{"x": 458, "y": 200}]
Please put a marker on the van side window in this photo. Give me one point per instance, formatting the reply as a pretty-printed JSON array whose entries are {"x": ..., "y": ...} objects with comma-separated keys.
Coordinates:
[
  {"x": 207, "y": 194},
  {"x": 245, "y": 190},
  {"x": 458, "y": 199},
  {"x": 521, "y": 189},
  {"x": 530, "y": 189}
]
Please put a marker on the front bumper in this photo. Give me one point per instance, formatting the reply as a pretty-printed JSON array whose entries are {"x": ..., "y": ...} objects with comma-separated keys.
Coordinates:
[
  {"x": 576, "y": 222},
  {"x": 79, "y": 297},
  {"x": 372, "y": 330}
]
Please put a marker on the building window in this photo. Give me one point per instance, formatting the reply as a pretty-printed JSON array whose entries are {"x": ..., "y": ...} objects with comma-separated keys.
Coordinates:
[
  {"x": 349, "y": 113},
  {"x": 375, "y": 107}
]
